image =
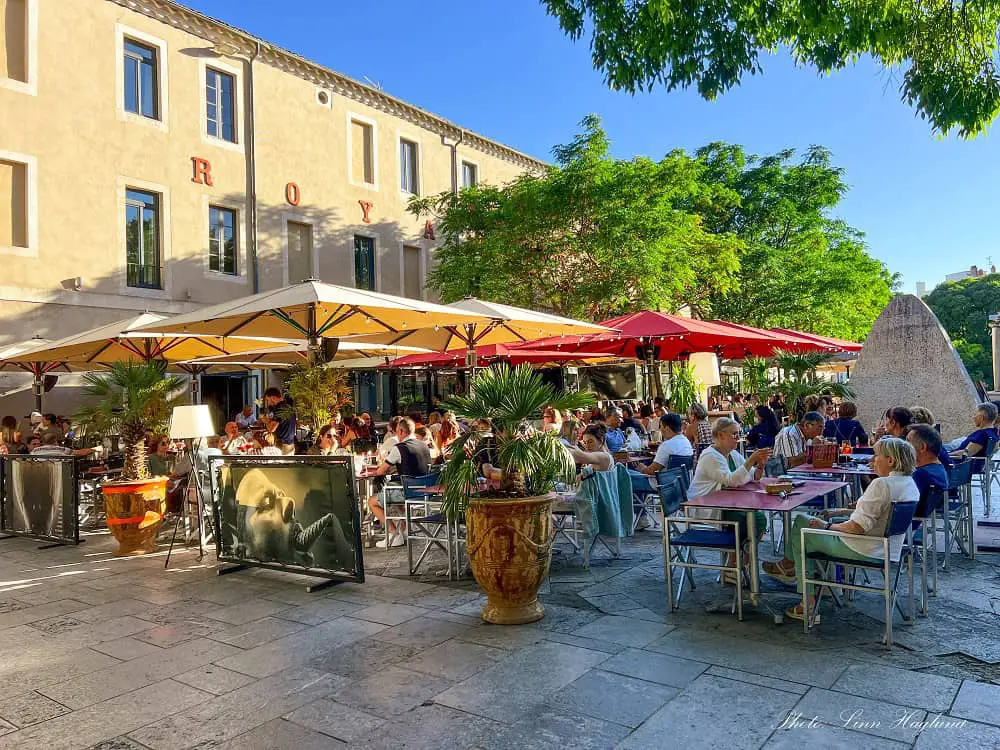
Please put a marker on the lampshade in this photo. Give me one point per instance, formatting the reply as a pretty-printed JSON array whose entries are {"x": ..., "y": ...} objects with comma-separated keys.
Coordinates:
[
  {"x": 191, "y": 421},
  {"x": 706, "y": 368}
]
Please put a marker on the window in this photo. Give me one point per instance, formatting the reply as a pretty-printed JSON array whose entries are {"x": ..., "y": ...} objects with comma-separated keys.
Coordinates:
[
  {"x": 142, "y": 240},
  {"x": 362, "y": 153},
  {"x": 220, "y": 105},
  {"x": 408, "y": 167},
  {"x": 413, "y": 282},
  {"x": 364, "y": 262},
  {"x": 13, "y": 204},
  {"x": 141, "y": 95},
  {"x": 222, "y": 240},
  {"x": 470, "y": 174},
  {"x": 300, "y": 252},
  {"x": 14, "y": 40}
]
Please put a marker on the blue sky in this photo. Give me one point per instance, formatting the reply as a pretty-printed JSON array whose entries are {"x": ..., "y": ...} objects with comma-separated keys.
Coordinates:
[{"x": 927, "y": 205}]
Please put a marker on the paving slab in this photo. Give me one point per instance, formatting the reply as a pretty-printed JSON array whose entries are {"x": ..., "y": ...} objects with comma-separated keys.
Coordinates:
[
  {"x": 214, "y": 679},
  {"x": 258, "y": 632},
  {"x": 900, "y": 686},
  {"x": 946, "y": 733},
  {"x": 742, "y": 716},
  {"x": 454, "y": 660},
  {"x": 551, "y": 728},
  {"x": 878, "y": 718},
  {"x": 978, "y": 701},
  {"x": 431, "y": 726},
  {"x": 756, "y": 679},
  {"x": 829, "y": 738},
  {"x": 612, "y": 697},
  {"x": 623, "y": 629},
  {"x": 537, "y": 671},
  {"x": 389, "y": 614},
  {"x": 25, "y": 709},
  {"x": 337, "y": 720},
  {"x": 279, "y": 733},
  {"x": 390, "y": 691},
  {"x": 422, "y": 632},
  {"x": 653, "y": 667}
]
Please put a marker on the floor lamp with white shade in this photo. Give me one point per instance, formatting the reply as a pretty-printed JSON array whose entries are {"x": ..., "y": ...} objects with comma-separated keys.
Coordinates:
[{"x": 191, "y": 422}]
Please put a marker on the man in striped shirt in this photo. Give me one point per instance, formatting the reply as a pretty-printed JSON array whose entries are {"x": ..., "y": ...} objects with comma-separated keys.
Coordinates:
[{"x": 791, "y": 441}]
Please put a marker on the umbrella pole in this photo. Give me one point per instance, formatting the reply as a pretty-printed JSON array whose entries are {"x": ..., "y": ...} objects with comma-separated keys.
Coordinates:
[
  {"x": 37, "y": 387},
  {"x": 470, "y": 353}
]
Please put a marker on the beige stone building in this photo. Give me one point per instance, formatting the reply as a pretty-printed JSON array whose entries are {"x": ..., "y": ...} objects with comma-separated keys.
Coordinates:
[{"x": 152, "y": 158}]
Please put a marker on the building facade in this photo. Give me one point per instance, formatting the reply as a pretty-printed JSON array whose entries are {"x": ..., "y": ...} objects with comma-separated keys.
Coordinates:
[{"x": 152, "y": 158}]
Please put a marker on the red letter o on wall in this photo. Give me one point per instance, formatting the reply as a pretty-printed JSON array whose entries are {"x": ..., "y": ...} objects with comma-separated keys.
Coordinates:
[{"x": 292, "y": 194}]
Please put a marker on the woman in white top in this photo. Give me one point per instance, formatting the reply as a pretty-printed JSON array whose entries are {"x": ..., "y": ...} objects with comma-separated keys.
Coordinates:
[
  {"x": 721, "y": 465},
  {"x": 551, "y": 420},
  {"x": 894, "y": 461}
]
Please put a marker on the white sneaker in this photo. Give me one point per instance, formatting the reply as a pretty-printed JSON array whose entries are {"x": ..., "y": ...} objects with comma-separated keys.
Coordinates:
[
  {"x": 384, "y": 543},
  {"x": 398, "y": 541},
  {"x": 644, "y": 523}
]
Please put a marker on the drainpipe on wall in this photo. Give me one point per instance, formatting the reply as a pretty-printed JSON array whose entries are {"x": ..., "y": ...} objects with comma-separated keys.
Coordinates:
[
  {"x": 251, "y": 158},
  {"x": 456, "y": 174},
  {"x": 993, "y": 323}
]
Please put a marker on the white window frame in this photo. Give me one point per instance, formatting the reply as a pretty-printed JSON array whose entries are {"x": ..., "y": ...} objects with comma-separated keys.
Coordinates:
[
  {"x": 462, "y": 161},
  {"x": 354, "y": 117},
  {"x": 31, "y": 209},
  {"x": 237, "y": 73},
  {"x": 125, "y": 184},
  {"x": 287, "y": 216},
  {"x": 29, "y": 87},
  {"x": 400, "y": 137},
  {"x": 162, "y": 78},
  {"x": 423, "y": 267},
  {"x": 375, "y": 253},
  {"x": 240, "y": 277}
]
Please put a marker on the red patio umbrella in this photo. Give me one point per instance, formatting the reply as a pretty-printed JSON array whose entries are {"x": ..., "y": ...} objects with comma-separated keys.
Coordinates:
[
  {"x": 508, "y": 352},
  {"x": 838, "y": 344},
  {"x": 789, "y": 341}
]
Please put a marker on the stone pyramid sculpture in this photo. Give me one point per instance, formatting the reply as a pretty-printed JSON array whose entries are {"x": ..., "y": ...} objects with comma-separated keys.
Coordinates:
[{"x": 908, "y": 360}]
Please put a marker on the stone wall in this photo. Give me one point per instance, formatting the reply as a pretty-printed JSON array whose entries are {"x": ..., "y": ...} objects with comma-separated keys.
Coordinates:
[{"x": 908, "y": 360}]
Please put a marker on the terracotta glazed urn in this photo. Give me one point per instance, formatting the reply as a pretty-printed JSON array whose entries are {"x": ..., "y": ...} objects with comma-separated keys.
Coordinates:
[
  {"x": 134, "y": 511},
  {"x": 510, "y": 548}
]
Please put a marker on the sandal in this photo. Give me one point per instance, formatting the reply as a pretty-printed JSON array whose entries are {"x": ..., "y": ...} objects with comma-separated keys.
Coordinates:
[
  {"x": 797, "y": 613},
  {"x": 784, "y": 573}
]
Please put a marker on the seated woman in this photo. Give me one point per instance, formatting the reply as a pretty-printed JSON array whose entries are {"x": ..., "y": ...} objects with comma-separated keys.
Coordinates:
[
  {"x": 326, "y": 442},
  {"x": 424, "y": 435},
  {"x": 447, "y": 435},
  {"x": 765, "y": 428},
  {"x": 893, "y": 462},
  {"x": 551, "y": 420},
  {"x": 594, "y": 453},
  {"x": 569, "y": 432},
  {"x": 721, "y": 465},
  {"x": 698, "y": 430},
  {"x": 846, "y": 428}
]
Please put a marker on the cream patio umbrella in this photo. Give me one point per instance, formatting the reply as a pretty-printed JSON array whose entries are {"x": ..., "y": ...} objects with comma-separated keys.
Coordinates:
[
  {"x": 348, "y": 352},
  {"x": 123, "y": 341},
  {"x": 497, "y": 324},
  {"x": 38, "y": 369},
  {"x": 313, "y": 311}
]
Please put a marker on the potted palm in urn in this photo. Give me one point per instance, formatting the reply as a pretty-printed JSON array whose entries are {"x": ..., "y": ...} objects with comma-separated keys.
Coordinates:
[
  {"x": 509, "y": 525},
  {"x": 130, "y": 400}
]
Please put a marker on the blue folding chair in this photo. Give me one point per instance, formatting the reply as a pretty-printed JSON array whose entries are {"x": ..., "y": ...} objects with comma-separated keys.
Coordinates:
[
  {"x": 679, "y": 544},
  {"x": 900, "y": 522},
  {"x": 958, "y": 522},
  {"x": 982, "y": 471},
  {"x": 931, "y": 502}
]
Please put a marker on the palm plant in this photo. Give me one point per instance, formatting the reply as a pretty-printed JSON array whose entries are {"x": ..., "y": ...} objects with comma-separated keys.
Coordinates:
[
  {"x": 799, "y": 379},
  {"x": 683, "y": 388},
  {"x": 131, "y": 398},
  {"x": 530, "y": 462},
  {"x": 317, "y": 391}
]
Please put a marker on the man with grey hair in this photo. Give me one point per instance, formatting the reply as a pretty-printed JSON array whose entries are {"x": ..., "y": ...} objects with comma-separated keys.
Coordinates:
[
  {"x": 985, "y": 432},
  {"x": 791, "y": 441}
]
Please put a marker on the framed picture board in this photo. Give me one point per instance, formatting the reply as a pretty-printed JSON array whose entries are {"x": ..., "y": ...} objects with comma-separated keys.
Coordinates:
[
  {"x": 40, "y": 498},
  {"x": 297, "y": 514}
]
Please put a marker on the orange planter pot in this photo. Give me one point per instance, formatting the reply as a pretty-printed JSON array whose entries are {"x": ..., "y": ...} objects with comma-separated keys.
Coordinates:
[
  {"x": 135, "y": 513},
  {"x": 510, "y": 548}
]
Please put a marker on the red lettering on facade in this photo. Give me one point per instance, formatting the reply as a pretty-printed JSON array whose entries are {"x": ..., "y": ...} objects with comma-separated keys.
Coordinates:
[
  {"x": 366, "y": 206},
  {"x": 292, "y": 194},
  {"x": 202, "y": 171},
  {"x": 429, "y": 231}
]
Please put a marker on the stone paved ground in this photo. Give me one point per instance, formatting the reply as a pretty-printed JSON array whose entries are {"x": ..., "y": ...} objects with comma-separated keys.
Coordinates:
[{"x": 118, "y": 654}]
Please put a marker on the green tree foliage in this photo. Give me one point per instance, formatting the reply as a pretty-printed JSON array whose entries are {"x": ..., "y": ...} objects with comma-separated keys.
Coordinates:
[
  {"x": 592, "y": 237},
  {"x": 947, "y": 51},
  {"x": 317, "y": 391},
  {"x": 800, "y": 267},
  {"x": 963, "y": 308}
]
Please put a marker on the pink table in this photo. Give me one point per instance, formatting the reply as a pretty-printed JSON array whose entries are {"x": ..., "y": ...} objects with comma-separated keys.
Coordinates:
[{"x": 752, "y": 497}]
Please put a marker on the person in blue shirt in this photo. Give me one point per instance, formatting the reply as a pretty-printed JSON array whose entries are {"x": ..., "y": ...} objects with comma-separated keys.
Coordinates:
[
  {"x": 926, "y": 441},
  {"x": 985, "y": 432},
  {"x": 280, "y": 420},
  {"x": 845, "y": 428},
  {"x": 615, "y": 438}
]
